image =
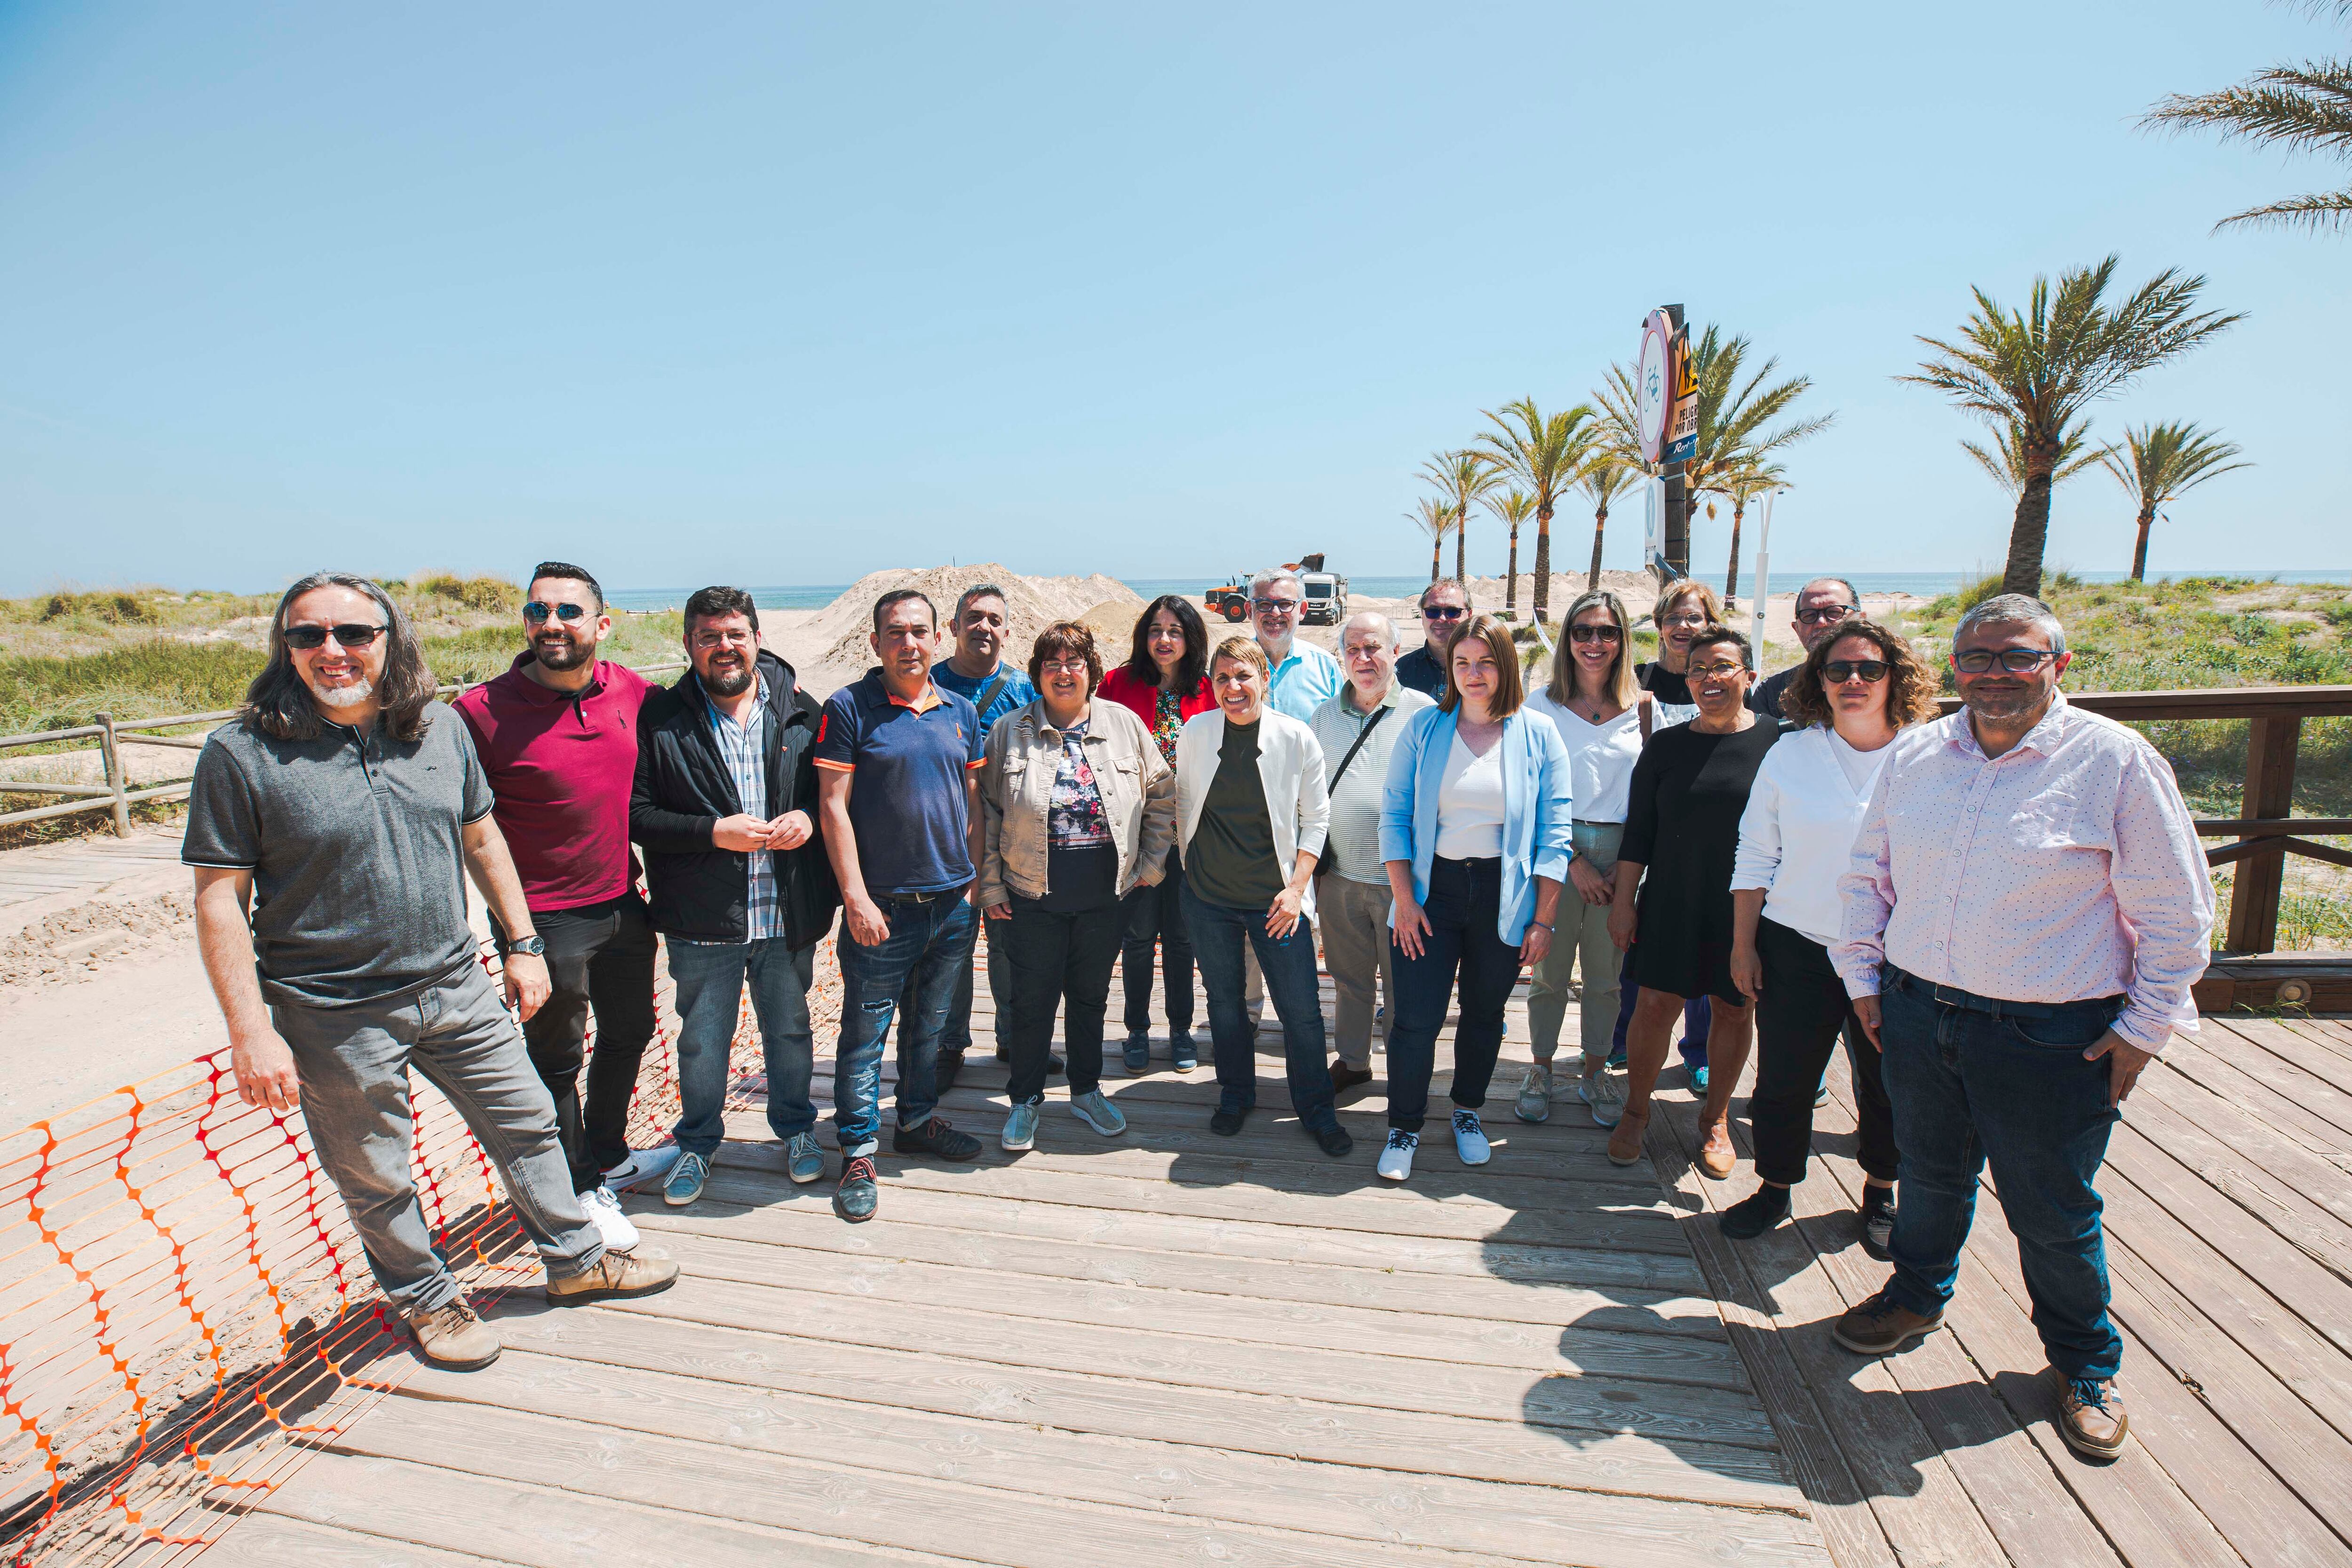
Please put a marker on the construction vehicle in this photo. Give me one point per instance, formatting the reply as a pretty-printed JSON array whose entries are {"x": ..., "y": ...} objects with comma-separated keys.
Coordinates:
[
  {"x": 1324, "y": 593},
  {"x": 1229, "y": 599}
]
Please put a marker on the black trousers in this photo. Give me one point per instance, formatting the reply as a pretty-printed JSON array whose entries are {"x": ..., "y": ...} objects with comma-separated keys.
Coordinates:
[
  {"x": 600, "y": 957},
  {"x": 1058, "y": 962},
  {"x": 1798, "y": 1021},
  {"x": 1157, "y": 915},
  {"x": 1463, "y": 907}
]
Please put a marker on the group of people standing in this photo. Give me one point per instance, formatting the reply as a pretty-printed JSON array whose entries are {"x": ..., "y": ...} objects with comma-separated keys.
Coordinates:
[{"x": 2000, "y": 911}]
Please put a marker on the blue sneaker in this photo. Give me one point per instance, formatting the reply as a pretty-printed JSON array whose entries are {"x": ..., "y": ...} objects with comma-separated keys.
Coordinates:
[
  {"x": 1182, "y": 1054},
  {"x": 686, "y": 1179},
  {"x": 804, "y": 1158},
  {"x": 1138, "y": 1054},
  {"x": 1698, "y": 1079}
]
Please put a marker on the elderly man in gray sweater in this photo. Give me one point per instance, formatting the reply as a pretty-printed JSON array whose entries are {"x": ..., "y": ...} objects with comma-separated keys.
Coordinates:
[{"x": 1358, "y": 729}]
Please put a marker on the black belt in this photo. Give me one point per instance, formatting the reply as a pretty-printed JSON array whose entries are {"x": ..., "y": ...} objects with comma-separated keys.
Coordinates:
[
  {"x": 922, "y": 897},
  {"x": 1953, "y": 996}
]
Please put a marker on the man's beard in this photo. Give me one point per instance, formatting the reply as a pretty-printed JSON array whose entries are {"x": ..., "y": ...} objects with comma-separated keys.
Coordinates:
[
  {"x": 2002, "y": 706},
  {"x": 350, "y": 696},
  {"x": 727, "y": 682},
  {"x": 561, "y": 653}
]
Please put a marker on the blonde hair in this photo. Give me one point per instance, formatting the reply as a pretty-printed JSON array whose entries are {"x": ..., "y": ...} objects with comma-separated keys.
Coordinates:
[
  {"x": 1683, "y": 588},
  {"x": 1509, "y": 690},
  {"x": 1243, "y": 650},
  {"x": 1622, "y": 688}
]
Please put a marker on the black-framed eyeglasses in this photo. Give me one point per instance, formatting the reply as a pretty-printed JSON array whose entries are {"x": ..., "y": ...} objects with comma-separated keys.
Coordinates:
[
  {"x": 1443, "y": 612},
  {"x": 536, "y": 612},
  {"x": 1869, "y": 670},
  {"x": 2016, "y": 660},
  {"x": 351, "y": 634},
  {"x": 1595, "y": 634},
  {"x": 1826, "y": 614},
  {"x": 1275, "y": 603}
]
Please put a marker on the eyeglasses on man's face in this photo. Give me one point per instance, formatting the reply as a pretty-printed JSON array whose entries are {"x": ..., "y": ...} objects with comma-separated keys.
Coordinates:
[
  {"x": 1595, "y": 634},
  {"x": 1826, "y": 614},
  {"x": 1870, "y": 671},
  {"x": 1445, "y": 612},
  {"x": 349, "y": 634},
  {"x": 536, "y": 612},
  {"x": 2016, "y": 660},
  {"x": 1274, "y": 606}
]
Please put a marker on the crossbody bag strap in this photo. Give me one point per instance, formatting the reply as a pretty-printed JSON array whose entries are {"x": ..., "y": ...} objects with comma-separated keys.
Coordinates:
[
  {"x": 1361, "y": 736},
  {"x": 1642, "y": 705},
  {"x": 991, "y": 692}
]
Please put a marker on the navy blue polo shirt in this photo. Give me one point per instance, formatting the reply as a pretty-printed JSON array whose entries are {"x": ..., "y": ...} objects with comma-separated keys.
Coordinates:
[{"x": 907, "y": 807}]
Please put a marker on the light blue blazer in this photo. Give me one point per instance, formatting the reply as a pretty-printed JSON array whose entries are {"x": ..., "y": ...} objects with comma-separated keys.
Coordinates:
[{"x": 1537, "y": 824}]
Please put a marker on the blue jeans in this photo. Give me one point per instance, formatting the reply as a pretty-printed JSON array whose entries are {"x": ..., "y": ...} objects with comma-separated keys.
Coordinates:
[
  {"x": 1220, "y": 934},
  {"x": 1463, "y": 907},
  {"x": 955, "y": 1036},
  {"x": 2012, "y": 1089},
  {"x": 929, "y": 945},
  {"x": 711, "y": 977}
]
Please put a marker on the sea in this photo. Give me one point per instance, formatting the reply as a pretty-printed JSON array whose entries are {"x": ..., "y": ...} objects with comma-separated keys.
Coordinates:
[{"x": 1924, "y": 584}]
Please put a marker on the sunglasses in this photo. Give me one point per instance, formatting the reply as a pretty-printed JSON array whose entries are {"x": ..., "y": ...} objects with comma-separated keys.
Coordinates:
[
  {"x": 351, "y": 634},
  {"x": 536, "y": 612},
  {"x": 1826, "y": 614},
  {"x": 2016, "y": 660},
  {"x": 1841, "y": 670},
  {"x": 1595, "y": 634},
  {"x": 1443, "y": 612}
]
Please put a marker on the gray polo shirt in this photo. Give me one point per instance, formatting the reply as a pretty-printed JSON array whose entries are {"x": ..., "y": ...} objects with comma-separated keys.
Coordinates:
[
  {"x": 1356, "y": 800},
  {"x": 356, "y": 849}
]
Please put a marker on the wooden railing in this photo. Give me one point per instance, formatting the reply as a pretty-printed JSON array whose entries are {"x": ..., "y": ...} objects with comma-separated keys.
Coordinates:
[
  {"x": 2264, "y": 834},
  {"x": 112, "y": 734}
]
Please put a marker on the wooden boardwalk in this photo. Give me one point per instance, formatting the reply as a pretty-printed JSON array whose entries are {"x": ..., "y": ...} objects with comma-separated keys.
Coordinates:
[{"x": 1172, "y": 1347}]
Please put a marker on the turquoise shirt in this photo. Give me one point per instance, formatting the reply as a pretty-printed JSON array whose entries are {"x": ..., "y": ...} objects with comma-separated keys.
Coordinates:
[{"x": 1305, "y": 682}]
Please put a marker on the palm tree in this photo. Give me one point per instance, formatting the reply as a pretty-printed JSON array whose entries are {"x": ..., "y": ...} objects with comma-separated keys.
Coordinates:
[
  {"x": 2004, "y": 461},
  {"x": 2038, "y": 369},
  {"x": 1463, "y": 477},
  {"x": 1605, "y": 478},
  {"x": 2304, "y": 109},
  {"x": 1746, "y": 485},
  {"x": 1435, "y": 518},
  {"x": 1512, "y": 508},
  {"x": 1733, "y": 413},
  {"x": 2159, "y": 463},
  {"x": 1544, "y": 455}
]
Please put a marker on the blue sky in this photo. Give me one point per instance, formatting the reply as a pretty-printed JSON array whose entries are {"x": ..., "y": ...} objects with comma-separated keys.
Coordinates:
[{"x": 780, "y": 294}]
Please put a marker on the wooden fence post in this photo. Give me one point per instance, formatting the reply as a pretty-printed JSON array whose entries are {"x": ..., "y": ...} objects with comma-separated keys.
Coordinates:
[
  {"x": 112, "y": 755},
  {"x": 2270, "y": 793}
]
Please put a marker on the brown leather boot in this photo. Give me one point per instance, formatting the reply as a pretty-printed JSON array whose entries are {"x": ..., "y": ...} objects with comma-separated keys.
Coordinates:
[
  {"x": 1881, "y": 1325},
  {"x": 1626, "y": 1138},
  {"x": 453, "y": 1338},
  {"x": 615, "y": 1274},
  {"x": 2092, "y": 1418}
]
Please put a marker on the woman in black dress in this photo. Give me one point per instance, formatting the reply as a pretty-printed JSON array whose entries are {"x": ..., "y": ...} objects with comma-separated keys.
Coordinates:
[{"x": 1681, "y": 828}]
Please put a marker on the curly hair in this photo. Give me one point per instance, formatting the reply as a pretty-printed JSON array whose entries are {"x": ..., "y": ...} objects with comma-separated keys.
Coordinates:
[
  {"x": 1911, "y": 686},
  {"x": 278, "y": 702},
  {"x": 1065, "y": 639}
]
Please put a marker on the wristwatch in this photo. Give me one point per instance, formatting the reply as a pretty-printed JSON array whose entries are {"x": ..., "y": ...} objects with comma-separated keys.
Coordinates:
[{"x": 535, "y": 945}]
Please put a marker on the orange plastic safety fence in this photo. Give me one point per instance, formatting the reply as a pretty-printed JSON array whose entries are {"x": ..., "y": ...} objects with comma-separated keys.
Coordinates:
[{"x": 186, "y": 1313}]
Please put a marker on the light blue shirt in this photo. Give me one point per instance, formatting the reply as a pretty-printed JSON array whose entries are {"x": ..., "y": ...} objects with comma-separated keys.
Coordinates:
[
  {"x": 1305, "y": 682},
  {"x": 1539, "y": 817}
]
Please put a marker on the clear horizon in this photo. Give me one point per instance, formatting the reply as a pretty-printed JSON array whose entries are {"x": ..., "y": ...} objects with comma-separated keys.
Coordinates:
[{"x": 780, "y": 295}]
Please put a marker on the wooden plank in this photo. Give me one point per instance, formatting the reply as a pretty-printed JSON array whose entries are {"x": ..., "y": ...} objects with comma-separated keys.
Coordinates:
[
  {"x": 2286, "y": 1097},
  {"x": 2281, "y": 1184},
  {"x": 264, "y": 1540},
  {"x": 1049, "y": 1469},
  {"x": 2289, "y": 1044},
  {"x": 1587, "y": 1402},
  {"x": 431, "y": 1505},
  {"x": 2271, "y": 745},
  {"x": 1495, "y": 1445},
  {"x": 803, "y": 1228}
]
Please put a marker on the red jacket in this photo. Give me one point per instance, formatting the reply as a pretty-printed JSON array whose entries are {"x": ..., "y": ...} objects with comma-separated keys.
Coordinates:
[{"x": 1141, "y": 698}]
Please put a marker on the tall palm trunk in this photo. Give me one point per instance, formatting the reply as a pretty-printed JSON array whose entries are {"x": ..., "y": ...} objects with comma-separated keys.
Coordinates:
[
  {"x": 1511, "y": 580},
  {"x": 2139, "y": 551},
  {"x": 1731, "y": 575},
  {"x": 1543, "y": 561},
  {"x": 1462, "y": 548},
  {"x": 1436, "y": 556},
  {"x": 1600, "y": 526},
  {"x": 2029, "y": 534}
]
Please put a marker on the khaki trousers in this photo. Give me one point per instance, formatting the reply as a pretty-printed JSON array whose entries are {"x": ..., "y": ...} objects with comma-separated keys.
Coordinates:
[
  {"x": 1356, "y": 947},
  {"x": 1579, "y": 938}
]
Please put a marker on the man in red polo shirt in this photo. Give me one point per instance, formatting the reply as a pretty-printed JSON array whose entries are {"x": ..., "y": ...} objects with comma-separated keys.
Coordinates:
[{"x": 557, "y": 735}]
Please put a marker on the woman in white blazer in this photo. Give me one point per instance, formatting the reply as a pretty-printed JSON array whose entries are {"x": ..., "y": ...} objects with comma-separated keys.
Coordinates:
[
  {"x": 1251, "y": 812},
  {"x": 1856, "y": 689},
  {"x": 1476, "y": 827}
]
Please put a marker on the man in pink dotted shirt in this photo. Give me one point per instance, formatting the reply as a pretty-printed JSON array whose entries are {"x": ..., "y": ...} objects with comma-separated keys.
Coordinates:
[{"x": 2026, "y": 912}]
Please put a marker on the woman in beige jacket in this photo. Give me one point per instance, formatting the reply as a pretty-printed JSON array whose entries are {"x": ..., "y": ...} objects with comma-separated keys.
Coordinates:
[{"x": 1078, "y": 808}]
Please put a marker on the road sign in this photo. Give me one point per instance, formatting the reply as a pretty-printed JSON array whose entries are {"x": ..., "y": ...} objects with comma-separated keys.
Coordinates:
[
  {"x": 1653, "y": 384},
  {"x": 1681, "y": 439}
]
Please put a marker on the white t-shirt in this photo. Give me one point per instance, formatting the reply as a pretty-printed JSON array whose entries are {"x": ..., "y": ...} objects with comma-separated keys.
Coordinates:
[
  {"x": 1470, "y": 804},
  {"x": 1861, "y": 767},
  {"x": 1601, "y": 757}
]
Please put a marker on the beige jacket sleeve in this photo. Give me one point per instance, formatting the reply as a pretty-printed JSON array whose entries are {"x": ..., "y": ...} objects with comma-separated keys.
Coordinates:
[{"x": 991, "y": 818}]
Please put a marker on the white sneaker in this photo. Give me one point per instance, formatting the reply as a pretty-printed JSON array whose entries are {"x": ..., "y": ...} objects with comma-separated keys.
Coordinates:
[
  {"x": 1470, "y": 1138},
  {"x": 619, "y": 1232},
  {"x": 1534, "y": 1103},
  {"x": 642, "y": 1166},
  {"x": 1396, "y": 1160}
]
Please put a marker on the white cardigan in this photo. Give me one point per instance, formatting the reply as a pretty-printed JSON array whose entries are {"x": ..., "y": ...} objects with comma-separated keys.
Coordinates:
[
  {"x": 1289, "y": 767},
  {"x": 1796, "y": 837}
]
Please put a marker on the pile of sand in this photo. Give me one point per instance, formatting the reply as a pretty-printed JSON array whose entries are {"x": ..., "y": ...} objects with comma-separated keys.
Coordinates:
[{"x": 1031, "y": 603}]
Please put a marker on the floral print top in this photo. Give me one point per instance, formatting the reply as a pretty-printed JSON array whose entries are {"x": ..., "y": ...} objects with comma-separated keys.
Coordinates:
[
  {"x": 1074, "y": 818},
  {"x": 1167, "y": 720}
]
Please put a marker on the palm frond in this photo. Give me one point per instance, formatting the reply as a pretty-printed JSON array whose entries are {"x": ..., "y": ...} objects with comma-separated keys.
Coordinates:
[
  {"x": 2159, "y": 463},
  {"x": 1542, "y": 452},
  {"x": 2004, "y": 461}
]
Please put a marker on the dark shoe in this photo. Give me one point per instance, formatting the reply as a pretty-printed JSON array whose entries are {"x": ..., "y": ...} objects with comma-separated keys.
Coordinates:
[
  {"x": 853, "y": 1200},
  {"x": 1333, "y": 1139},
  {"x": 1878, "y": 1222},
  {"x": 945, "y": 1070},
  {"x": 1183, "y": 1055},
  {"x": 1754, "y": 1214},
  {"x": 1345, "y": 1078},
  {"x": 452, "y": 1338},
  {"x": 2091, "y": 1417},
  {"x": 617, "y": 1275},
  {"x": 936, "y": 1138},
  {"x": 1882, "y": 1325},
  {"x": 1228, "y": 1120},
  {"x": 1137, "y": 1054}
]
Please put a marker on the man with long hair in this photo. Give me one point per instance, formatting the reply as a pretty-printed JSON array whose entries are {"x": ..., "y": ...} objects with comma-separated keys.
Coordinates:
[{"x": 331, "y": 824}]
